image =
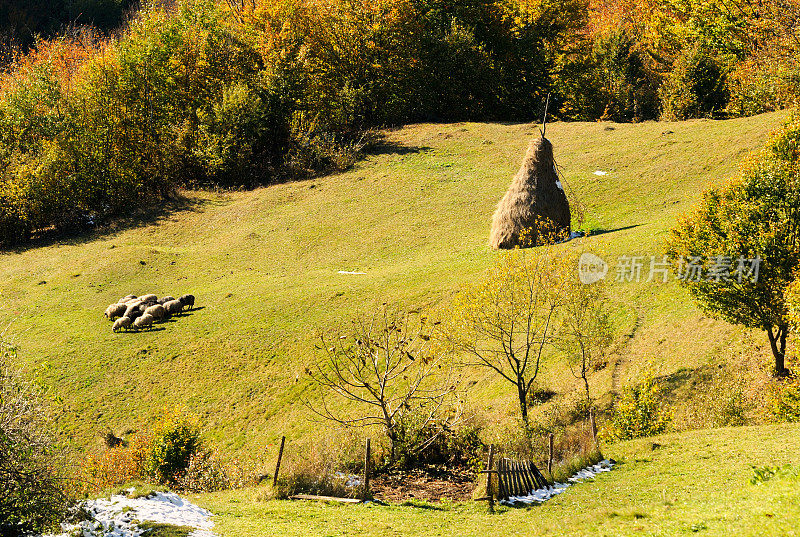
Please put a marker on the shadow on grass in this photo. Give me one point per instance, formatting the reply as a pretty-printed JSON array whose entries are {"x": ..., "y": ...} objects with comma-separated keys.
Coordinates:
[
  {"x": 603, "y": 231},
  {"x": 80, "y": 234},
  {"x": 388, "y": 147}
]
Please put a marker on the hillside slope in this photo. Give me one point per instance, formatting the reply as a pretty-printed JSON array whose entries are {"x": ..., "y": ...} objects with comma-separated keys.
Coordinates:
[{"x": 414, "y": 216}]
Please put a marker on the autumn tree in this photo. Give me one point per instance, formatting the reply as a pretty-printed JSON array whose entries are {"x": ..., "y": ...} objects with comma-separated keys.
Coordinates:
[
  {"x": 381, "y": 371},
  {"x": 585, "y": 330},
  {"x": 508, "y": 321},
  {"x": 740, "y": 248}
]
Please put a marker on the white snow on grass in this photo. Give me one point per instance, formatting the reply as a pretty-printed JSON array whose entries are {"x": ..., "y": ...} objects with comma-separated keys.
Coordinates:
[
  {"x": 349, "y": 272},
  {"x": 544, "y": 494},
  {"x": 600, "y": 172},
  {"x": 118, "y": 516}
]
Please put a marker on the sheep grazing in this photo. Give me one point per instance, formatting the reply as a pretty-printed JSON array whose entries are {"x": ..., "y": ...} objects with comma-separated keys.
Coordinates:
[
  {"x": 131, "y": 307},
  {"x": 126, "y": 299},
  {"x": 173, "y": 307},
  {"x": 144, "y": 321},
  {"x": 157, "y": 311},
  {"x": 149, "y": 298},
  {"x": 134, "y": 314},
  {"x": 115, "y": 310},
  {"x": 122, "y": 322},
  {"x": 166, "y": 299},
  {"x": 187, "y": 301}
]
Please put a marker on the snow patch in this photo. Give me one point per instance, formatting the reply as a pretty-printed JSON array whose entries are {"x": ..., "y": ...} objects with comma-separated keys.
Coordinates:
[
  {"x": 117, "y": 516},
  {"x": 350, "y": 480},
  {"x": 544, "y": 494},
  {"x": 349, "y": 272},
  {"x": 600, "y": 172},
  {"x": 558, "y": 184}
]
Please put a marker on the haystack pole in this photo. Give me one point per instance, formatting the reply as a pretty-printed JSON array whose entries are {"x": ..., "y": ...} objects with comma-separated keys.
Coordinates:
[{"x": 535, "y": 209}]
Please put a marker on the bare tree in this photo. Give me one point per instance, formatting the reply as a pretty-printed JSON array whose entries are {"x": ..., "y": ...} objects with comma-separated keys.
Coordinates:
[
  {"x": 508, "y": 321},
  {"x": 384, "y": 366}
]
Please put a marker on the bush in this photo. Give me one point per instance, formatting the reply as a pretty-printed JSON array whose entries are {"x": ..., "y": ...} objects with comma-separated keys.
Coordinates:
[
  {"x": 786, "y": 400},
  {"x": 175, "y": 441},
  {"x": 33, "y": 498},
  {"x": 115, "y": 466},
  {"x": 639, "y": 412},
  {"x": 455, "y": 447}
]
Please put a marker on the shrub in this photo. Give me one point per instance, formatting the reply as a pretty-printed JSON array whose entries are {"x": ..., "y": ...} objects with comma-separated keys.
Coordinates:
[
  {"x": 639, "y": 412},
  {"x": 175, "y": 441},
  {"x": 115, "y": 466},
  {"x": 459, "y": 446},
  {"x": 32, "y": 487},
  {"x": 205, "y": 473},
  {"x": 786, "y": 400}
]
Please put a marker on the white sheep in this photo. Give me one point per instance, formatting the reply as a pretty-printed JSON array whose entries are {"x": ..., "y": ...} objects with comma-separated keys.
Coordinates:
[
  {"x": 122, "y": 322},
  {"x": 173, "y": 307},
  {"x": 157, "y": 311},
  {"x": 144, "y": 321},
  {"x": 115, "y": 310}
]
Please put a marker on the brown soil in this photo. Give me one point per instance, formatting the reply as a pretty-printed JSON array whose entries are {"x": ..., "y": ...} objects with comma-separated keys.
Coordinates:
[{"x": 456, "y": 485}]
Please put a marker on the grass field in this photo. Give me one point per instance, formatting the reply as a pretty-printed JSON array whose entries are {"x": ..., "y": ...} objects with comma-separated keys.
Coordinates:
[
  {"x": 677, "y": 484},
  {"x": 414, "y": 215}
]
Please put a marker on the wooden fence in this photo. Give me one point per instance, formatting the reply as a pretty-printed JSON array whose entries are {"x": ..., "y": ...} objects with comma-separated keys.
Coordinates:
[{"x": 514, "y": 478}]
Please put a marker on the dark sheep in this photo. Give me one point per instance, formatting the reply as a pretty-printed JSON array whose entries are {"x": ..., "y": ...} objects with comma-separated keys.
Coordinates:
[
  {"x": 165, "y": 299},
  {"x": 131, "y": 307},
  {"x": 187, "y": 301}
]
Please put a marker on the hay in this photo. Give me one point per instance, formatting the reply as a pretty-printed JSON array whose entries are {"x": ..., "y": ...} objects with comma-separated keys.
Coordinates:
[{"x": 535, "y": 209}]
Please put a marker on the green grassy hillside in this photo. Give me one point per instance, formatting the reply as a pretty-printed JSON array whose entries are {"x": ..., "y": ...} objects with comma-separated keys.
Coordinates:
[
  {"x": 678, "y": 484},
  {"x": 413, "y": 215}
]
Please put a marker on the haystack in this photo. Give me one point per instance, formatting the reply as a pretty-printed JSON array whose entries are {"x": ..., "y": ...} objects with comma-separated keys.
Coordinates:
[{"x": 535, "y": 209}]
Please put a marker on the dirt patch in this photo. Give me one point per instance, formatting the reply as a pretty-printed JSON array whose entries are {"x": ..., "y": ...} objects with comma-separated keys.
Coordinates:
[{"x": 435, "y": 486}]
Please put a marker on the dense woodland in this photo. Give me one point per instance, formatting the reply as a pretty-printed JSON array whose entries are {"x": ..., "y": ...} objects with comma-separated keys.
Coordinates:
[{"x": 105, "y": 106}]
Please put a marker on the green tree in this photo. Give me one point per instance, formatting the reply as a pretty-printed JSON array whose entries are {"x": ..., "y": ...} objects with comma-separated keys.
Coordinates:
[{"x": 743, "y": 242}]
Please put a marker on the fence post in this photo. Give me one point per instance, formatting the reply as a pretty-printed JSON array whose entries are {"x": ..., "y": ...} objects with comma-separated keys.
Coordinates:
[
  {"x": 278, "y": 464},
  {"x": 550, "y": 456},
  {"x": 489, "y": 491},
  {"x": 365, "y": 495}
]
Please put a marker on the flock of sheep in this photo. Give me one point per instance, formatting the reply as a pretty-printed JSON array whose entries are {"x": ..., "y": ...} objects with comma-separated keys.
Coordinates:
[{"x": 141, "y": 312}]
